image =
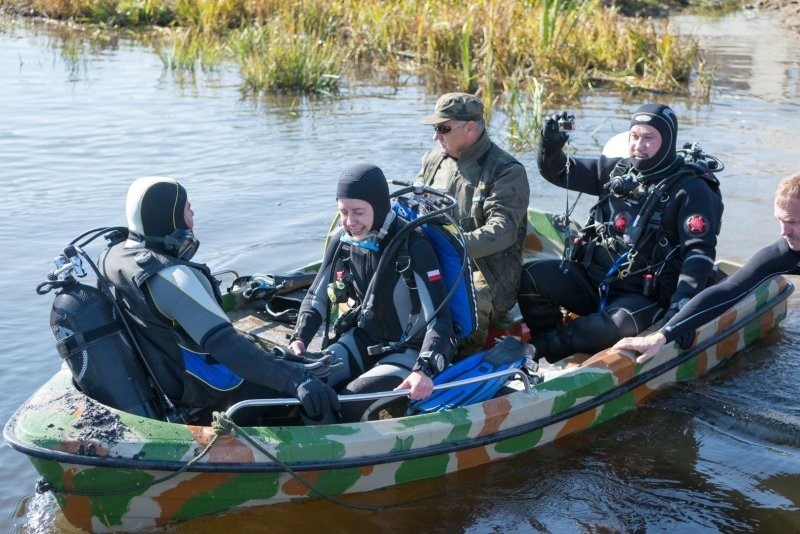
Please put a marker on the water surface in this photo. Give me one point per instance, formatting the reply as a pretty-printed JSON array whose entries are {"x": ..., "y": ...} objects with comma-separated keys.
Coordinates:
[{"x": 717, "y": 454}]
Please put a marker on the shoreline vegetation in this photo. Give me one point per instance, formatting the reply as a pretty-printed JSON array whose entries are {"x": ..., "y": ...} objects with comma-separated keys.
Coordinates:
[{"x": 518, "y": 55}]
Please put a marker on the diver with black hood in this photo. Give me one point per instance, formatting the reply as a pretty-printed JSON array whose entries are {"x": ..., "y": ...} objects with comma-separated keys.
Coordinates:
[
  {"x": 649, "y": 244},
  {"x": 383, "y": 310},
  {"x": 174, "y": 305}
]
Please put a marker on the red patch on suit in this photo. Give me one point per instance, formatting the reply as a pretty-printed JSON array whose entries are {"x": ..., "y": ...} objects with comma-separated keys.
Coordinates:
[
  {"x": 621, "y": 222},
  {"x": 696, "y": 225}
]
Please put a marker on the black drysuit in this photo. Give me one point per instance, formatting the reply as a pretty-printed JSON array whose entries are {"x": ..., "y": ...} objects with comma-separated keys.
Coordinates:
[{"x": 632, "y": 264}]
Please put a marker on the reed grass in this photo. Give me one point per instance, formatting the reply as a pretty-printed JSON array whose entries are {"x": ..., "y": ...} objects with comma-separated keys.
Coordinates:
[
  {"x": 525, "y": 111},
  {"x": 186, "y": 51},
  {"x": 280, "y": 59},
  {"x": 506, "y": 51}
]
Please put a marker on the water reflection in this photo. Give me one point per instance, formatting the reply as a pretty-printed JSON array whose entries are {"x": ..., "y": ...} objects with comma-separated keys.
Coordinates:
[
  {"x": 81, "y": 120},
  {"x": 752, "y": 54}
]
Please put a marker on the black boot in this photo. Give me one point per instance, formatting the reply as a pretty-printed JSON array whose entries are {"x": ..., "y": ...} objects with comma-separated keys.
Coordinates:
[
  {"x": 551, "y": 346},
  {"x": 540, "y": 313}
]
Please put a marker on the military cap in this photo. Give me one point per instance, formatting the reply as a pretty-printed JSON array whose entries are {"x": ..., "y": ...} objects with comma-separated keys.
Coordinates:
[{"x": 456, "y": 106}]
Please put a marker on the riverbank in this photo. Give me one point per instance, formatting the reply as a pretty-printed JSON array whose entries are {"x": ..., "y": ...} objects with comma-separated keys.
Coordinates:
[
  {"x": 549, "y": 49},
  {"x": 788, "y": 11},
  {"x": 532, "y": 58}
]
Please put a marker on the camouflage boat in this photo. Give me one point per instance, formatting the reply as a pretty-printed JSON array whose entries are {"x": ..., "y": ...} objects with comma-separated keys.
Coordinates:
[{"x": 110, "y": 470}]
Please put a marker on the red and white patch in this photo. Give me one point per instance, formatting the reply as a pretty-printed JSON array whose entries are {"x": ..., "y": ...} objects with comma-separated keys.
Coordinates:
[
  {"x": 434, "y": 275},
  {"x": 621, "y": 222},
  {"x": 696, "y": 225}
]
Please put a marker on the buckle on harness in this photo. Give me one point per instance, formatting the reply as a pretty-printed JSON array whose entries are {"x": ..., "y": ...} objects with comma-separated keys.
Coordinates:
[
  {"x": 623, "y": 273},
  {"x": 375, "y": 350},
  {"x": 402, "y": 264}
]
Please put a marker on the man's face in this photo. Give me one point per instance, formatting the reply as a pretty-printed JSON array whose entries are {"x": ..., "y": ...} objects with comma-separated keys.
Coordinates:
[
  {"x": 357, "y": 216},
  {"x": 454, "y": 136},
  {"x": 789, "y": 222},
  {"x": 188, "y": 215},
  {"x": 643, "y": 141}
]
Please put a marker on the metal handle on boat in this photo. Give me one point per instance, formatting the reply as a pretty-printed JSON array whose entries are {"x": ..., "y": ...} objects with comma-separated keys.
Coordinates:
[
  {"x": 217, "y": 274},
  {"x": 384, "y": 394}
]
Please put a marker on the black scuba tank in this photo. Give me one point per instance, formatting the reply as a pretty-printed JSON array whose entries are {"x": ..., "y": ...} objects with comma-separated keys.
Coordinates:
[{"x": 93, "y": 341}]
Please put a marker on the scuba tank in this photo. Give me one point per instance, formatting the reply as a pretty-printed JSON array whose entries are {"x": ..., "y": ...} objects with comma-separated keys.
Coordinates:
[{"x": 94, "y": 340}]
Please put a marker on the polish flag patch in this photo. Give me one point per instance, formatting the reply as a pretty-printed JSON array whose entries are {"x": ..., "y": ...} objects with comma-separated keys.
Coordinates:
[{"x": 434, "y": 275}]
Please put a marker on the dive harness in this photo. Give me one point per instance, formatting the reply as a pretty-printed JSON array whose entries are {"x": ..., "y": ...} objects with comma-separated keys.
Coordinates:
[
  {"x": 690, "y": 159},
  {"x": 398, "y": 250}
]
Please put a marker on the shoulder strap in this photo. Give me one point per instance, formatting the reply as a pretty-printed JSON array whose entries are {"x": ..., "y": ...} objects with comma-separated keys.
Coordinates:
[
  {"x": 403, "y": 266},
  {"x": 642, "y": 220},
  {"x": 150, "y": 263}
]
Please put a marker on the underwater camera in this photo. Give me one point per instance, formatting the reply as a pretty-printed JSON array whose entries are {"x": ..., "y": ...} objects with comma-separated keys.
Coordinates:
[{"x": 566, "y": 123}]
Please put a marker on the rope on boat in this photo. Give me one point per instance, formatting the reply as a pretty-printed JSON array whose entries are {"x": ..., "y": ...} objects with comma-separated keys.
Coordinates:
[
  {"x": 224, "y": 422},
  {"x": 223, "y": 425}
]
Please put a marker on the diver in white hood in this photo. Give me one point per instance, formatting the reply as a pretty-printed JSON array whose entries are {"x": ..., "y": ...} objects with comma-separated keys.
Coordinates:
[{"x": 198, "y": 358}]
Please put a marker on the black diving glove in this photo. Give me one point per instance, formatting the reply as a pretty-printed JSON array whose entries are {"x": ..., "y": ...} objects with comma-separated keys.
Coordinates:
[
  {"x": 318, "y": 364},
  {"x": 320, "y": 405},
  {"x": 554, "y": 137}
]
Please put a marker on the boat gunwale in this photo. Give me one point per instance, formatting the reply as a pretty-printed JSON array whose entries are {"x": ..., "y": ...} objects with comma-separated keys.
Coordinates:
[{"x": 639, "y": 379}]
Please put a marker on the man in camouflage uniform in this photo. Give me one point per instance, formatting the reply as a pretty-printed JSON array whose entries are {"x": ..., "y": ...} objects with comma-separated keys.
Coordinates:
[{"x": 491, "y": 191}]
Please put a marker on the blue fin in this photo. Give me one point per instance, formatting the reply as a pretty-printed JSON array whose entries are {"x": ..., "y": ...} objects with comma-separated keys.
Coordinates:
[{"x": 508, "y": 353}]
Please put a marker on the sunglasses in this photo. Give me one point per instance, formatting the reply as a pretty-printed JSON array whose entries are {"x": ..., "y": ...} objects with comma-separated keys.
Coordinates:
[{"x": 442, "y": 129}]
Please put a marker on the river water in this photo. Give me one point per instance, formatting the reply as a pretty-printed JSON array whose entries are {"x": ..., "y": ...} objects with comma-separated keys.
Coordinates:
[{"x": 83, "y": 117}]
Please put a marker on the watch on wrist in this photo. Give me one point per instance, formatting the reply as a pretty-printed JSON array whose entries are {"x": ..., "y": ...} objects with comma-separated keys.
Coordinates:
[{"x": 429, "y": 363}]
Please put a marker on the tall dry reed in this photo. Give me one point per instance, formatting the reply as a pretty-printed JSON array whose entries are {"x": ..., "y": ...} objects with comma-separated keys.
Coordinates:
[{"x": 506, "y": 51}]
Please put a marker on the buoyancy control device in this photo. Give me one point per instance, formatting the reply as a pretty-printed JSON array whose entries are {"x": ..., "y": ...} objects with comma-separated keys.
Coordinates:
[
  {"x": 451, "y": 252},
  {"x": 426, "y": 208},
  {"x": 93, "y": 339}
]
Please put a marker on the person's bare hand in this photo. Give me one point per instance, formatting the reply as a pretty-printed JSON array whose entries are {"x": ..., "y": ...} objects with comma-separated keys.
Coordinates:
[{"x": 648, "y": 346}]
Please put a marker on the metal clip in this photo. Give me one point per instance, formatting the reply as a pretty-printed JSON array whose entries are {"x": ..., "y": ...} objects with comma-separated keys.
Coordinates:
[{"x": 623, "y": 273}]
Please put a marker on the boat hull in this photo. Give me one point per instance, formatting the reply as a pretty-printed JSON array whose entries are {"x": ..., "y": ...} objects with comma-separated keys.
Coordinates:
[{"x": 111, "y": 470}]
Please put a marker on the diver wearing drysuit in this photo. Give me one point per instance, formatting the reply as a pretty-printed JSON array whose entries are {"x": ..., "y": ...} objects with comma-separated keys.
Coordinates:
[
  {"x": 198, "y": 358},
  {"x": 389, "y": 308},
  {"x": 781, "y": 257},
  {"x": 648, "y": 247}
]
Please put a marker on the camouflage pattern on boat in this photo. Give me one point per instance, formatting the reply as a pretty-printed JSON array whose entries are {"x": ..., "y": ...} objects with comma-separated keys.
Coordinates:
[{"x": 112, "y": 471}]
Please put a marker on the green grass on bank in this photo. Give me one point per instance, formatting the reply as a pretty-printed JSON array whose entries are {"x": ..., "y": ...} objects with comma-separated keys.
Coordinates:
[{"x": 518, "y": 54}]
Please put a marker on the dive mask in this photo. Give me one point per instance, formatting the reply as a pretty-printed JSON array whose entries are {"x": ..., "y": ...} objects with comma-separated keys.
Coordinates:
[
  {"x": 370, "y": 242},
  {"x": 181, "y": 243}
]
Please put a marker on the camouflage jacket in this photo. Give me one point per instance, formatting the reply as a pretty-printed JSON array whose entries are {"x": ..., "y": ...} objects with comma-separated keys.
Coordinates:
[{"x": 491, "y": 190}]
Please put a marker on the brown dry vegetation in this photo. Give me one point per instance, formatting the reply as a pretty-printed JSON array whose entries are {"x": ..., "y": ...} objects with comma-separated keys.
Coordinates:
[{"x": 788, "y": 11}]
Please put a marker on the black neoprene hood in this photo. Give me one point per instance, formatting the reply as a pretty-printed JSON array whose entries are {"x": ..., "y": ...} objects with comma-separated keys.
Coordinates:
[{"x": 366, "y": 182}]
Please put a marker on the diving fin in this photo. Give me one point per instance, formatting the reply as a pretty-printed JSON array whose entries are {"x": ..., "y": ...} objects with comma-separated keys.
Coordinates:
[{"x": 508, "y": 353}]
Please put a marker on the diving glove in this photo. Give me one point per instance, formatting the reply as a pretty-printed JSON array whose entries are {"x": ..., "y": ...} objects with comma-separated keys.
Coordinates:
[
  {"x": 319, "y": 403},
  {"x": 554, "y": 131},
  {"x": 317, "y": 364}
]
